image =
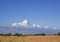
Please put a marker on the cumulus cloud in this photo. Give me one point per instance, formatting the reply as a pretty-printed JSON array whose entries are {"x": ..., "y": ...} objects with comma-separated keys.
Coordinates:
[
  {"x": 46, "y": 27},
  {"x": 54, "y": 28},
  {"x": 40, "y": 26},
  {"x": 23, "y": 23},
  {"x": 37, "y": 25},
  {"x": 14, "y": 24},
  {"x": 34, "y": 25}
]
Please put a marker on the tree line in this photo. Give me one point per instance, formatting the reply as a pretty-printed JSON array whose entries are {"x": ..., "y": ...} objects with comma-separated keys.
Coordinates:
[
  {"x": 17, "y": 34},
  {"x": 9, "y": 34}
]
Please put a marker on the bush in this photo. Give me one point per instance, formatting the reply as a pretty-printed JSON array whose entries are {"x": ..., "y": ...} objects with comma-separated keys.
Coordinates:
[
  {"x": 16, "y": 34},
  {"x": 37, "y": 34},
  {"x": 43, "y": 34},
  {"x": 1, "y": 34},
  {"x": 9, "y": 34},
  {"x": 40, "y": 34},
  {"x": 59, "y": 34}
]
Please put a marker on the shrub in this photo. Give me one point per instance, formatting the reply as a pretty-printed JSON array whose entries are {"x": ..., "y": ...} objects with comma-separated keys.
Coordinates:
[
  {"x": 40, "y": 34},
  {"x": 59, "y": 34}
]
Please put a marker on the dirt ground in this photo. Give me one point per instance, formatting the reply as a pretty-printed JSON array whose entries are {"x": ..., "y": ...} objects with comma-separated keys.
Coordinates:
[{"x": 29, "y": 38}]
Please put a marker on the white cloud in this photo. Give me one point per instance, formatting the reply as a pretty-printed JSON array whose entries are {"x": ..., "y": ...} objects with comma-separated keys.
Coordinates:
[
  {"x": 34, "y": 25},
  {"x": 54, "y": 28},
  {"x": 40, "y": 26},
  {"x": 46, "y": 27},
  {"x": 37, "y": 25},
  {"x": 24, "y": 23},
  {"x": 14, "y": 24}
]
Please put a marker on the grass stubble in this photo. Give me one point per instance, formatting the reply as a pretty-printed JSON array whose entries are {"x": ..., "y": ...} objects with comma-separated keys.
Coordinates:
[{"x": 29, "y": 38}]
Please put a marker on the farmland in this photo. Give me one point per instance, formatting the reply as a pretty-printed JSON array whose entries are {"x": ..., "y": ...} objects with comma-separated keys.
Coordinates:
[{"x": 29, "y": 38}]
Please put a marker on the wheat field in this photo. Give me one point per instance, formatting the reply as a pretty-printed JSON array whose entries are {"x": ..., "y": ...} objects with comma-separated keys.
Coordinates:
[{"x": 29, "y": 38}]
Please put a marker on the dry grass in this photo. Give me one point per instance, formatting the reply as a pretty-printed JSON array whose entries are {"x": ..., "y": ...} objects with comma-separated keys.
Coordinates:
[{"x": 30, "y": 39}]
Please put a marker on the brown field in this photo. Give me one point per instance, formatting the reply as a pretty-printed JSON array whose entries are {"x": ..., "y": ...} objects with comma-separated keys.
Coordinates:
[{"x": 29, "y": 38}]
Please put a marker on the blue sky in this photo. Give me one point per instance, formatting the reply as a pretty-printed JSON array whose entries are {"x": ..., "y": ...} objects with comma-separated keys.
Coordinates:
[{"x": 44, "y": 12}]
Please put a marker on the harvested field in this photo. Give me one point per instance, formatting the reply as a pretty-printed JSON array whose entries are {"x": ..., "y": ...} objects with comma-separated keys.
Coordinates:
[{"x": 29, "y": 38}]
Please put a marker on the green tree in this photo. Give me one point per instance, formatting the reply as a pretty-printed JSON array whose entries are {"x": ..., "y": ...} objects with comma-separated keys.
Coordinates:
[
  {"x": 9, "y": 34},
  {"x": 1, "y": 34},
  {"x": 37, "y": 34},
  {"x": 16, "y": 34},
  {"x": 59, "y": 34},
  {"x": 20, "y": 34},
  {"x": 43, "y": 34}
]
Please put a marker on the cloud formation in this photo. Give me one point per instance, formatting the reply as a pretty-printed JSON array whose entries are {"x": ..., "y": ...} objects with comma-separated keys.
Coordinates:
[
  {"x": 46, "y": 27},
  {"x": 54, "y": 28},
  {"x": 37, "y": 25},
  {"x": 14, "y": 24},
  {"x": 23, "y": 23}
]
